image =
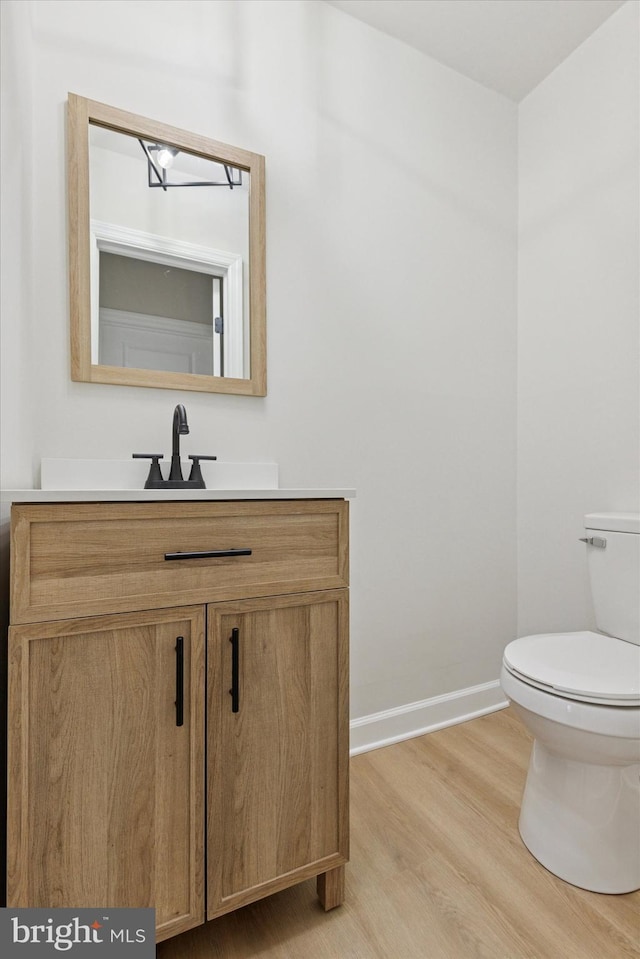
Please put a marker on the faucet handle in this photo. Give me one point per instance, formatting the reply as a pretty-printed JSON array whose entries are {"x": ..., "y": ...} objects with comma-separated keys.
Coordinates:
[
  {"x": 155, "y": 473},
  {"x": 195, "y": 476}
]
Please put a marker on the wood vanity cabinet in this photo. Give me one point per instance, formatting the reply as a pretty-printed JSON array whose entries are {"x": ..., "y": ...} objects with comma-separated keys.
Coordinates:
[
  {"x": 104, "y": 789},
  {"x": 177, "y": 717}
]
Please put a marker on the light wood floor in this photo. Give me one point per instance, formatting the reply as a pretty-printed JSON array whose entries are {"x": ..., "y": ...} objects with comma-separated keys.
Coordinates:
[{"x": 438, "y": 870}]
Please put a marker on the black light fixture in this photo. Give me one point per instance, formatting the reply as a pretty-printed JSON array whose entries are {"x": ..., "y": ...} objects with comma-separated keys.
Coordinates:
[{"x": 160, "y": 157}]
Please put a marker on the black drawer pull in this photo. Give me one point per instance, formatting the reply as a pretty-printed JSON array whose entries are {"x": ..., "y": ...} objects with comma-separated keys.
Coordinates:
[
  {"x": 180, "y": 681},
  {"x": 209, "y": 554},
  {"x": 234, "y": 692}
]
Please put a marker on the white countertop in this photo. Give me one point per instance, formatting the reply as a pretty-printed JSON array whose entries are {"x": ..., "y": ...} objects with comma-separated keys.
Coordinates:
[{"x": 150, "y": 496}]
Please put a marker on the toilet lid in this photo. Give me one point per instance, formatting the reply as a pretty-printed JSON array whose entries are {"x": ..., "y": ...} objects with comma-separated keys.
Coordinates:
[{"x": 586, "y": 666}]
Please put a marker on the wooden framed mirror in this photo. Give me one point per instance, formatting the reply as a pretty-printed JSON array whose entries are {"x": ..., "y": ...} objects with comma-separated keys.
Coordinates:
[{"x": 166, "y": 255}]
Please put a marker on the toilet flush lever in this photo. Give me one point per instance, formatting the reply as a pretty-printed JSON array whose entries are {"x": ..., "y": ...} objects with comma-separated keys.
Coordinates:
[{"x": 598, "y": 541}]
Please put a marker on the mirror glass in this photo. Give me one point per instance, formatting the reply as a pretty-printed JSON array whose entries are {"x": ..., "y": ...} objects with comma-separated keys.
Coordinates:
[{"x": 166, "y": 255}]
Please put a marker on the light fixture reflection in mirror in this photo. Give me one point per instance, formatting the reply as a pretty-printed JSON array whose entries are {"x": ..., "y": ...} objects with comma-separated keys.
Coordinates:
[
  {"x": 167, "y": 285},
  {"x": 166, "y": 155}
]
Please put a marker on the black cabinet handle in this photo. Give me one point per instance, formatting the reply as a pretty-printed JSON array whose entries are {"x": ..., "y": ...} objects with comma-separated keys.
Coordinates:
[
  {"x": 234, "y": 692},
  {"x": 180, "y": 681},
  {"x": 209, "y": 554}
]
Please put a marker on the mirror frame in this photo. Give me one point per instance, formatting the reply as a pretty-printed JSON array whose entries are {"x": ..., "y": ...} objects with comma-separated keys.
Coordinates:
[{"x": 80, "y": 114}]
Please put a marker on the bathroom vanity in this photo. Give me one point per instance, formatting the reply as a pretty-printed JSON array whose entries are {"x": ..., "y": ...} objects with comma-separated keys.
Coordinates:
[{"x": 178, "y": 701}]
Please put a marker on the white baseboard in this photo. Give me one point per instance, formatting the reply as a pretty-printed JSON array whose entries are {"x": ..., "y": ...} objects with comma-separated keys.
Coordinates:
[{"x": 415, "y": 719}]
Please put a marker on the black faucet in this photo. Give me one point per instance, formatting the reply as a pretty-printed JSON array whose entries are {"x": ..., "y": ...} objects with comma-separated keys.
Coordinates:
[
  {"x": 180, "y": 427},
  {"x": 155, "y": 479}
]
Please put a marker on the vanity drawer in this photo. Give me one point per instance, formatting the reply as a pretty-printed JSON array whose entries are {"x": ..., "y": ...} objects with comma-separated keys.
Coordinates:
[{"x": 90, "y": 558}]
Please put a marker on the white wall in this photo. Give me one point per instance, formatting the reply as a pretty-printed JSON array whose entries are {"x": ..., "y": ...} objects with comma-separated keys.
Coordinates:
[
  {"x": 391, "y": 214},
  {"x": 17, "y": 399},
  {"x": 578, "y": 310}
]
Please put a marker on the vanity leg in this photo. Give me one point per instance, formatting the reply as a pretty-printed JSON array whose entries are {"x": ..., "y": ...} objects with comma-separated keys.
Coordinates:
[{"x": 330, "y": 887}]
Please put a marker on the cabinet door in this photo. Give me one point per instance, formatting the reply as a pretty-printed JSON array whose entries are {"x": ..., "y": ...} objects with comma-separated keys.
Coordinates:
[
  {"x": 105, "y": 788},
  {"x": 277, "y": 744}
]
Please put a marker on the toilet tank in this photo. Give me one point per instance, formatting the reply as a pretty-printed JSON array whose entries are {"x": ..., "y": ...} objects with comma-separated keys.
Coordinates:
[{"x": 614, "y": 572}]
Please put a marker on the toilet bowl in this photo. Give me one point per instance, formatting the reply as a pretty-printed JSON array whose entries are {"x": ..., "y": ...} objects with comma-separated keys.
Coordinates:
[{"x": 578, "y": 693}]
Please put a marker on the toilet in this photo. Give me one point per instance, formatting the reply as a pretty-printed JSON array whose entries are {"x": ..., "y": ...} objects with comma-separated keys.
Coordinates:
[{"x": 578, "y": 693}]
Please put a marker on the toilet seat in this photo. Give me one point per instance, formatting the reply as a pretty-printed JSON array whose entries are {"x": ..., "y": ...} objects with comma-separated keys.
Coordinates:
[{"x": 584, "y": 666}]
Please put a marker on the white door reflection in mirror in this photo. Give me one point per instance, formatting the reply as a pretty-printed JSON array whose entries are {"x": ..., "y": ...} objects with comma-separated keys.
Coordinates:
[
  {"x": 169, "y": 298},
  {"x": 156, "y": 317}
]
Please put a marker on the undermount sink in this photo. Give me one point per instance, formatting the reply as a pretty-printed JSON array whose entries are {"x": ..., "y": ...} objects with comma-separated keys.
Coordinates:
[{"x": 130, "y": 474}]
